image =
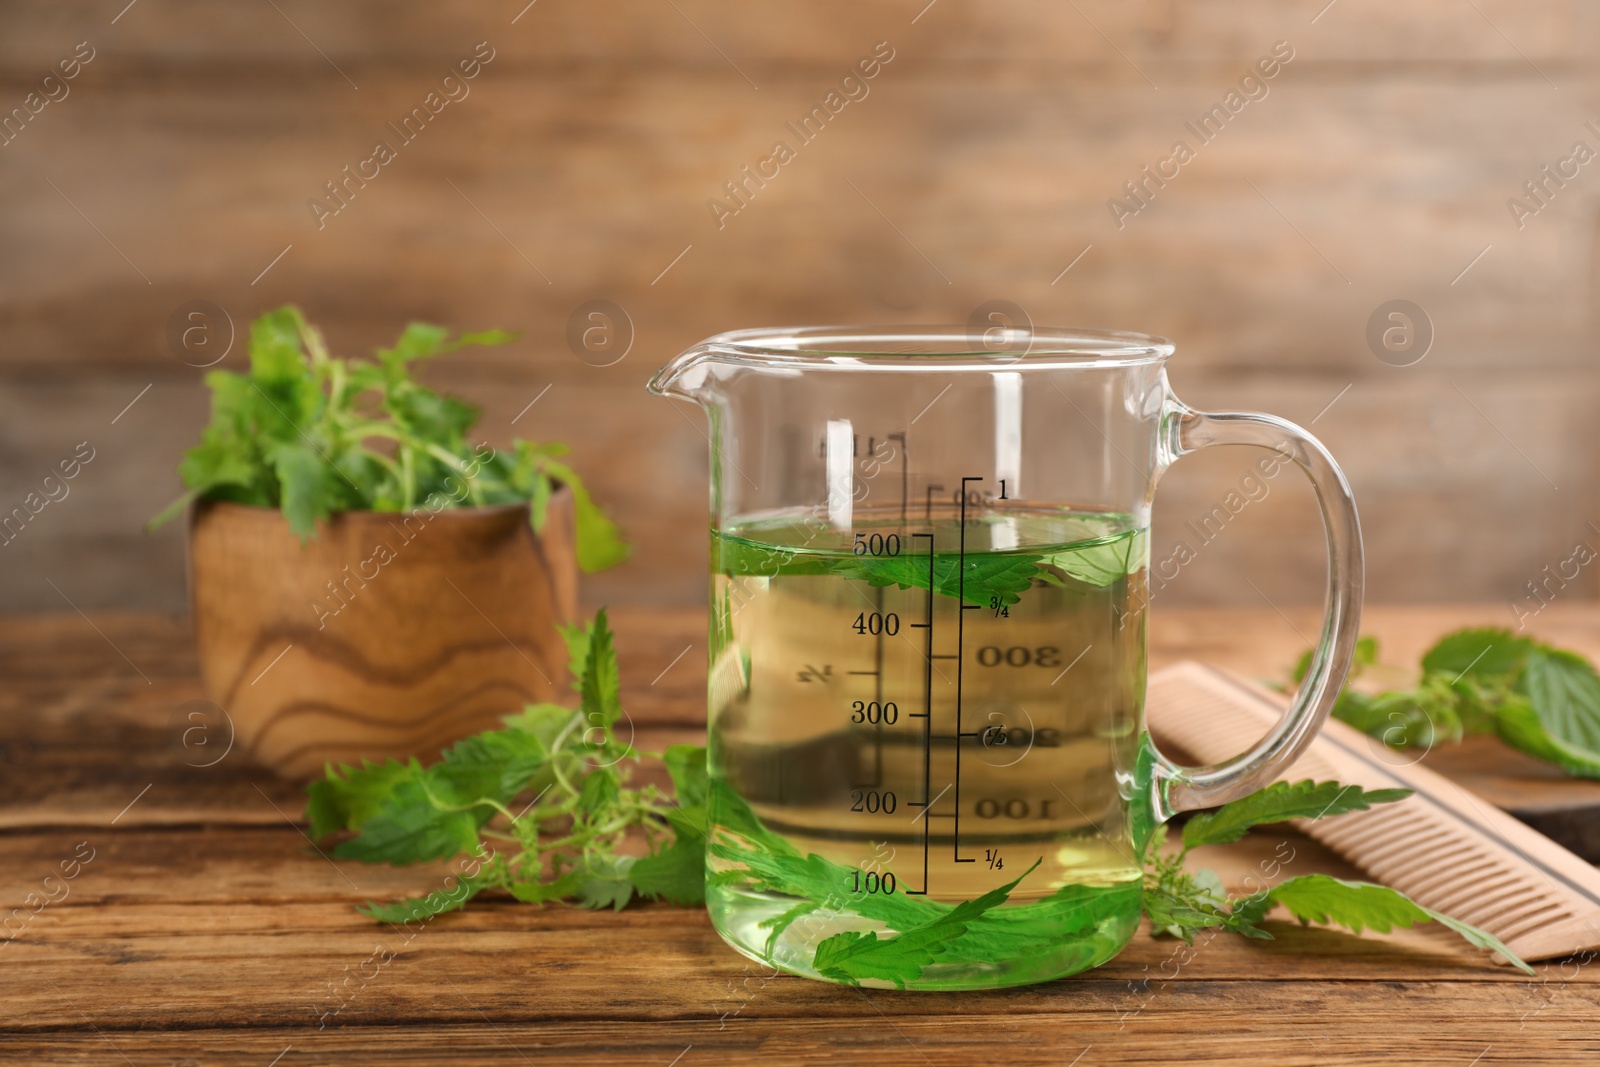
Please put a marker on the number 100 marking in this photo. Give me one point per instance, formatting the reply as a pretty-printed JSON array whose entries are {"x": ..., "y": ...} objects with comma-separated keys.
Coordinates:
[{"x": 872, "y": 882}]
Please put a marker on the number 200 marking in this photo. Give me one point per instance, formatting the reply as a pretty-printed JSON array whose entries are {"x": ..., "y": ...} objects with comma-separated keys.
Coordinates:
[{"x": 873, "y": 801}]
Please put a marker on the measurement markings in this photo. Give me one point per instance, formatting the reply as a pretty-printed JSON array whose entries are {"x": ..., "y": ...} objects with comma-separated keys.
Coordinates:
[
  {"x": 961, "y": 626},
  {"x": 926, "y": 715},
  {"x": 905, "y": 472},
  {"x": 929, "y": 804},
  {"x": 877, "y": 673},
  {"x": 904, "y": 637}
]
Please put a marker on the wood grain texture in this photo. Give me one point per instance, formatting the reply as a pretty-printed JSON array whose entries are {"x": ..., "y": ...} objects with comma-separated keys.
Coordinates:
[
  {"x": 205, "y": 929},
  {"x": 385, "y": 634},
  {"x": 979, "y": 166}
]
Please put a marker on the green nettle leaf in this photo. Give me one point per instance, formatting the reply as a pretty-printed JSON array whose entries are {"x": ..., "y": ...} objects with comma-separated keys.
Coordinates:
[
  {"x": 545, "y": 722},
  {"x": 853, "y": 956},
  {"x": 1541, "y": 700},
  {"x": 676, "y": 874},
  {"x": 1565, "y": 692},
  {"x": 1410, "y": 718},
  {"x": 1356, "y": 709},
  {"x": 577, "y": 639},
  {"x": 737, "y": 557},
  {"x": 1519, "y": 726},
  {"x": 1484, "y": 654},
  {"x": 418, "y": 341},
  {"x": 557, "y": 888},
  {"x": 218, "y": 460},
  {"x": 303, "y": 477},
  {"x": 1178, "y": 915},
  {"x": 1279, "y": 802},
  {"x": 348, "y": 796},
  {"x": 600, "y": 544},
  {"x": 434, "y": 416},
  {"x": 601, "y": 680},
  {"x": 1246, "y": 915},
  {"x": 599, "y": 792},
  {"x": 312, "y": 435},
  {"x": 484, "y": 337},
  {"x": 606, "y": 883},
  {"x": 494, "y": 765},
  {"x": 1101, "y": 565},
  {"x": 1321, "y": 898},
  {"x": 407, "y": 813},
  {"x": 687, "y": 766},
  {"x": 414, "y": 909},
  {"x": 758, "y": 859},
  {"x": 1419, "y": 718},
  {"x": 1364, "y": 655},
  {"x": 413, "y": 824},
  {"x": 540, "y": 489},
  {"x": 985, "y": 579},
  {"x": 233, "y": 399},
  {"x": 275, "y": 353}
]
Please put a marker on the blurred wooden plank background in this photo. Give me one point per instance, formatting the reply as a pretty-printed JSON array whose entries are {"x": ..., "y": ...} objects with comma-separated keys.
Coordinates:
[{"x": 1377, "y": 167}]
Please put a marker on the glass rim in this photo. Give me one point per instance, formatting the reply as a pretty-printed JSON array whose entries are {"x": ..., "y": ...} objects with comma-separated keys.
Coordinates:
[{"x": 939, "y": 346}]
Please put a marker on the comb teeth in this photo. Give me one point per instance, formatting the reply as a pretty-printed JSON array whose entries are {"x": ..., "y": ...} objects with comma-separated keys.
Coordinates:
[{"x": 1445, "y": 848}]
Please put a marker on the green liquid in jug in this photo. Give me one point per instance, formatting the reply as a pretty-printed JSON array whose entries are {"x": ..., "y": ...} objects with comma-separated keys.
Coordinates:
[{"x": 906, "y": 719}]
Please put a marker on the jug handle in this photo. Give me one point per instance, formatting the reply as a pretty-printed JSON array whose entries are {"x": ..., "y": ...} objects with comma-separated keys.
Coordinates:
[{"x": 1176, "y": 788}]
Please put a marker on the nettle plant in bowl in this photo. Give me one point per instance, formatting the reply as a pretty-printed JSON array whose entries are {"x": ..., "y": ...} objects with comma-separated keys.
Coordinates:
[{"x": 366, "y": 580}]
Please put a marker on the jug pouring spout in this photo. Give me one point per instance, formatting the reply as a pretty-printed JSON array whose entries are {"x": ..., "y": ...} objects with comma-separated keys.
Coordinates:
[
  {"x": 684, "y": 376},
  {"x": 699, "y": 373}
]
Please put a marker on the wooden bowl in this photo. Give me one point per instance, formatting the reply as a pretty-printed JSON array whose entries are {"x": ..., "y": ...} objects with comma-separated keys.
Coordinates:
[{"x": 386, "y": 634}]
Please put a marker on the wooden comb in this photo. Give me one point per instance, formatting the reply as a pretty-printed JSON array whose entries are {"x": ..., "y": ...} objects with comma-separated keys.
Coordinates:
[{"x": 1445, "y": 848}]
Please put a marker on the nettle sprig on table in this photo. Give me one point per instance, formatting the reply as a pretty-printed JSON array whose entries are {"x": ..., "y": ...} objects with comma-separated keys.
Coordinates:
[
  {"x": 547, "y": 810},
  {"x": 313, "y": 434},
  {"x": 1539, "y": 699},
  {"x": 1180, "y": 901},
  {"x": 548, "y": 799}
]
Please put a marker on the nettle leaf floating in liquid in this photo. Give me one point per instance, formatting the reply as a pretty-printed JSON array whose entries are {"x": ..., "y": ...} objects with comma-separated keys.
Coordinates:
[
  {"x": 987, "y": 579},
  {"x": 983, "y": 578}
]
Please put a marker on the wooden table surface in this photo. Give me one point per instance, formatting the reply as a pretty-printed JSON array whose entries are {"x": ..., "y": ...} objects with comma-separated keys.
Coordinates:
[{"x": 201, "y": 927}]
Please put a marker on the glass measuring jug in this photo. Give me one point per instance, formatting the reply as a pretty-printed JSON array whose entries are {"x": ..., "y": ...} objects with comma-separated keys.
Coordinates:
[{"x": 929, "y": 559}]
